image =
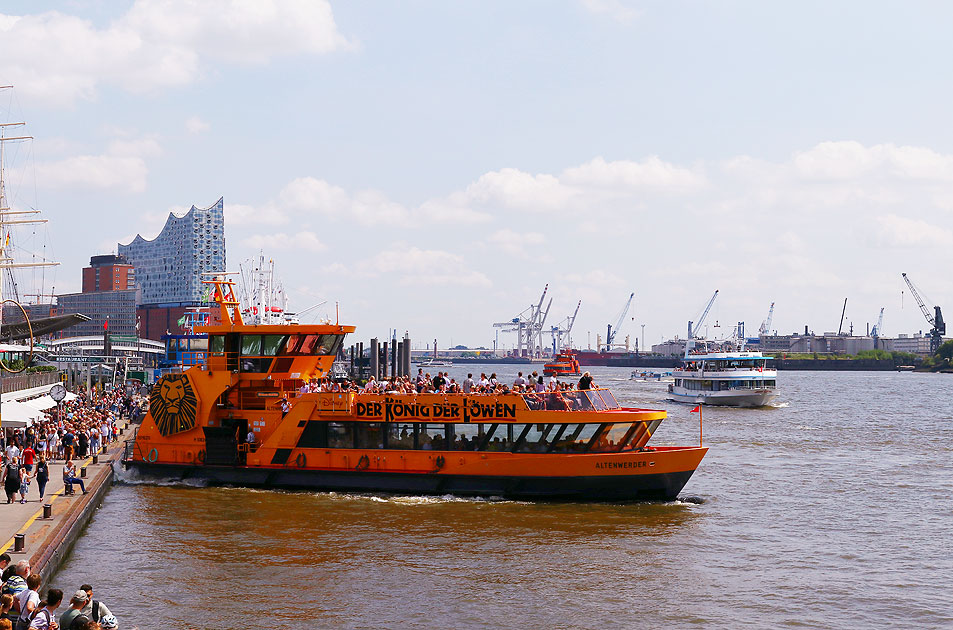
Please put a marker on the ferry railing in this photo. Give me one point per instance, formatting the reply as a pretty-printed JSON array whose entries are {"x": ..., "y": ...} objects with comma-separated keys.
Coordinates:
[
  {"x": 129, "y": 446},
  {"x": 596, "y": 399}
]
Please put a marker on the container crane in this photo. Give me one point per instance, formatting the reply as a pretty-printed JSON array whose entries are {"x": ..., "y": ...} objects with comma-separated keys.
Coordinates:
[
  {"x": 766, "y": 324},
  {"x": 690, "y": 342},
  {"x": 561, "y": 336},
  {"x": 875, "y": 332},
  {"x": 528, "y": 326},
  {"x": 935, "y": 320},
  {"x": 610, "y": 331}
]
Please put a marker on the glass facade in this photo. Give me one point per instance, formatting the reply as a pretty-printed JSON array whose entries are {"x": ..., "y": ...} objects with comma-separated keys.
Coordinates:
[
  {"x": 119, "y": 306},
  {"x": 169, "y": 268}
]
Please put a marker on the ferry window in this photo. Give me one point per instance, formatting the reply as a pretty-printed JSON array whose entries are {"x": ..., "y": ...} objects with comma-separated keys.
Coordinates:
[
  {"x": 536, "y": 440},
  {"x": 433, "y": 437},
  {"x": 400, "y": 435},
  {"x": 329, "y": 344},
  {"x": 771, "y": 383},
  {"x": 368, "y": 435},
  {"x": 578, "y": 401},
  {"x": 340, "y": 435},
  {"x": 467, "y": 437},
  {"x": 198, "y": 344},
  {"x": 608, "y": 399},
  {"x": 596, "y": 400},
  {"x": 271, "y": 344},
  {"x": 574, "y": 438},
  {"x": 501, "y": 439},
  {"x": 611, "y": 438},
  {"x": 251, "y": 345},
  {"x": 314, "y": 435}
]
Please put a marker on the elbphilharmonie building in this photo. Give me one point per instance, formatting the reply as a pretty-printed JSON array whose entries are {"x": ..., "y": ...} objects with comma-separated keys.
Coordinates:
[{"x": 169, "y": 268}]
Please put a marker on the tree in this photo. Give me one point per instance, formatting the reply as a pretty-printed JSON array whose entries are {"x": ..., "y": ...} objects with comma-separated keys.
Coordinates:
[{"x": 945, "y": 351}]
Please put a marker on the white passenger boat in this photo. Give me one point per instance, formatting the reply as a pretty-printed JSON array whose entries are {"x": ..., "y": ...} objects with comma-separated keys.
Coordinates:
[
  {"x": 648, "y": 375},
  {"x": 734, "y": 379}
]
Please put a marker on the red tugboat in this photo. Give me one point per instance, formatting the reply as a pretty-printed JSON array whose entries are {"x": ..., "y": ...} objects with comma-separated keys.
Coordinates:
[{"x": 565, "y": 364}]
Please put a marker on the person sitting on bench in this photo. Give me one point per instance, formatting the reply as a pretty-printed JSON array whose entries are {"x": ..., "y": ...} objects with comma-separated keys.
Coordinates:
[{"x": 69, "y": 477}]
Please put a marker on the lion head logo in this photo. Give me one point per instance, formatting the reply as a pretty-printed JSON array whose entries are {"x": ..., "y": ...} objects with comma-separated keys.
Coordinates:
[{"x": 173, "y": 404}]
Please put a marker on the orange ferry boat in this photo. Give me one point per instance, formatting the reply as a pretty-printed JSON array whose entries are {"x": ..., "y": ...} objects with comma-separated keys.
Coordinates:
[
  {"x": 579, "y": 445},
  {"x": 563, "y": 364}
]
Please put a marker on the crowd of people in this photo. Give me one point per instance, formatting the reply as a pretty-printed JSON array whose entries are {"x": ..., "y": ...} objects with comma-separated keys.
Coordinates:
[
  {"x": 77, "y": 428},
  {"x": 443, "y": 383},
  {"x": 22, "y": 607}
]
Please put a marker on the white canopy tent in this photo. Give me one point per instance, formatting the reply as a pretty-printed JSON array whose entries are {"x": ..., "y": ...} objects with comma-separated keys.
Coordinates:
[
  {"x": 14, "y": 415},
  {"x": 41, "y": 404}
]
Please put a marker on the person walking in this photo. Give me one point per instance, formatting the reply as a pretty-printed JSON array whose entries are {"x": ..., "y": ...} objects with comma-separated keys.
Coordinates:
[
  {"x": 42, "y": 475},
  {"x": 24, "y": 484},
  {"x": 11, "y": 479}
]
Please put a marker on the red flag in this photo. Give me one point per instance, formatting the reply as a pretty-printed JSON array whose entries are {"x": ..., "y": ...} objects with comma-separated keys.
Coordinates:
[
  {"x": 698, "y": 408},
  {"x": 106, "y": 325}
]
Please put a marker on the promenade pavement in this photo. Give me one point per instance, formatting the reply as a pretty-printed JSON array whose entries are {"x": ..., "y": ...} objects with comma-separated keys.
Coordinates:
[{"x": 47, "y": 541}]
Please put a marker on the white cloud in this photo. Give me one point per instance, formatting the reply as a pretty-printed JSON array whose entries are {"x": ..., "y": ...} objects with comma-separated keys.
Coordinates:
[
  {"x": 242, "y": 215},
  {"x": 158, "y": 44},
  {"x": 127, "y": 174},
  {"x": 308, "y": 195},
  {"x": 196, "y": 125},
  {"x": 850, "y": 160},
  {"x": 423, "y": 267},
  {"x": 651, "y": 173},
  {"x": 896, "y": 231},
  {"x": 512, "y": 188},
  {"x": 281, "y": 242},
  {"x": 121, "y": 167}
]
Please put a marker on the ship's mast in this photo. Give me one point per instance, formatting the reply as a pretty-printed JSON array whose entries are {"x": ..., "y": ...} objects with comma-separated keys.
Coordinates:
[{"x": 9, "y": 217}]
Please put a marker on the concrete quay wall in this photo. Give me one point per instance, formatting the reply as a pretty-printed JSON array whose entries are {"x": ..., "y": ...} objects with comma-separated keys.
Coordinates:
[{"x": 48, "y": 542}]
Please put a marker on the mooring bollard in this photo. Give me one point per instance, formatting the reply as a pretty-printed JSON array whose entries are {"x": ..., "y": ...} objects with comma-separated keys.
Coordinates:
[
  {"x": 19, "y": 542},
  {"x": 95, "y": 459},
  {"x": 82, "y": 471},
  {"x": 47, "y": 510}
]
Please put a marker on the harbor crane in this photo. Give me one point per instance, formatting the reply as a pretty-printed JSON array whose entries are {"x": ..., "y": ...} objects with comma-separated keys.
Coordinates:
[
  {"x": 840, "y": 326},
  {"x": 766, "y": 324},
  {"x": 876, "y": 331},
  {"x": 610, "y": 331},
  {"x": 562, "y": 339},
  {"x": 935, "y": 320},
  {"x": 528, "y": 326},
  {"x": 690, "y": 342}
]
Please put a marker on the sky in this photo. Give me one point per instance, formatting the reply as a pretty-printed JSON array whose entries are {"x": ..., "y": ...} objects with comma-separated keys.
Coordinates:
[{"x": 430, "y": 166}]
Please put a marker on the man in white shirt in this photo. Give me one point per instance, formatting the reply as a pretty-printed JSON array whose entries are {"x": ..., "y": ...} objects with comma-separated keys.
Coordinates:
[
  {"x": 11, "y": 452},
  {"x": 468, "y": 384}
]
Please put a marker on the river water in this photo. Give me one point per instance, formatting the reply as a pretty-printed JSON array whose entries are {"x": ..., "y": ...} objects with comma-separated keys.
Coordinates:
[{"x": 832, "y": 509}]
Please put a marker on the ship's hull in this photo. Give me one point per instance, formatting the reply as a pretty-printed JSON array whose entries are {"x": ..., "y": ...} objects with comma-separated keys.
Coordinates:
[
  {"x": 642, "y": 487},
  {"x": 727, "y": 398}
]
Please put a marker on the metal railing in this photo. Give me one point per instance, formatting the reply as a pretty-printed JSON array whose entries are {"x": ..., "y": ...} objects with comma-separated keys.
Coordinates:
[{"x": 17, "y": 382}]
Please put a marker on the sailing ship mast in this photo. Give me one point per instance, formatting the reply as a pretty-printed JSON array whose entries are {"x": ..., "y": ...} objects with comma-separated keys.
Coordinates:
[{"x": 10, "y": 217}]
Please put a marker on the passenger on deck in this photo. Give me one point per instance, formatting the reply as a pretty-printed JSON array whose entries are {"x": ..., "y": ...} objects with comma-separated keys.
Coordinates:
[{"x": 586, "y": 381}]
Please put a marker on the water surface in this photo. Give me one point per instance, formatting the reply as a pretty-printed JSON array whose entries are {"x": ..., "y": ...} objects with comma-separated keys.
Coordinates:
[{"x": 832, "y": 509}]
